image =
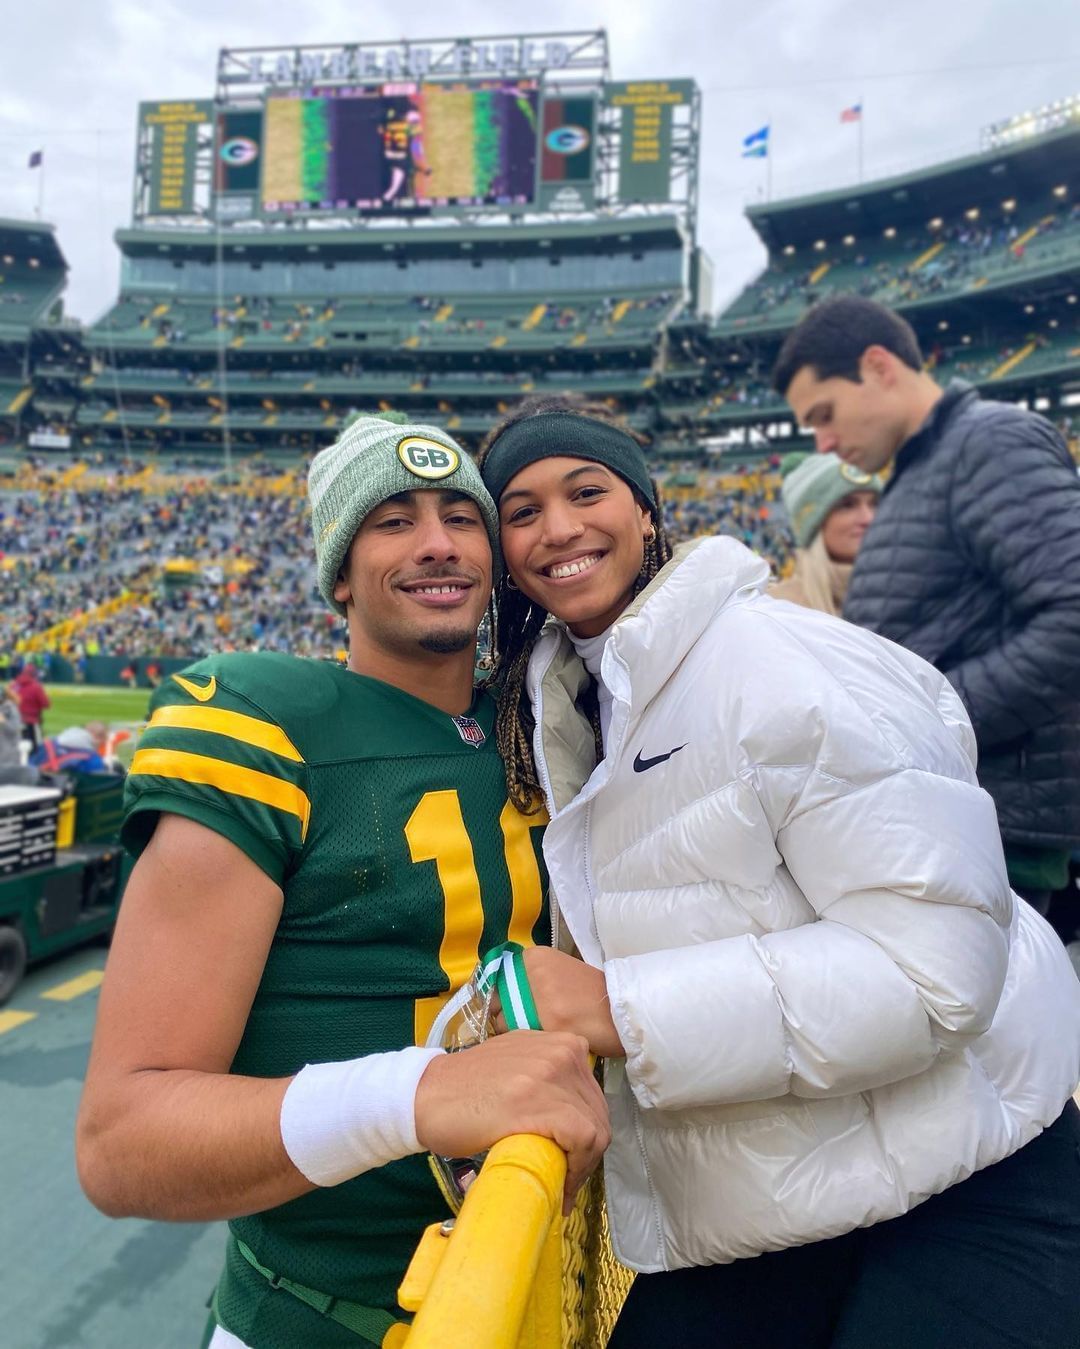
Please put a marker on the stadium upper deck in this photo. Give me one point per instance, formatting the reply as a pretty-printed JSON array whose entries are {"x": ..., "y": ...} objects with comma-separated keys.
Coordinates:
[
  {"x": 33, "y": 273},
  {"x": 282, "y": 335},
  {"x": 262, "y": 334},
  {"x": 982, "y": 255}
]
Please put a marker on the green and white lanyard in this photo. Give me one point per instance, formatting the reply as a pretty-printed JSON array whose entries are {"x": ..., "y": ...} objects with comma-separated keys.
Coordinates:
[{"x": 501, "y": 972}]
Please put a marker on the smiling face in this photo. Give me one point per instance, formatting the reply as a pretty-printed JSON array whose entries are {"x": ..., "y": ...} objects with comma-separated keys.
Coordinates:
[
  {"x": 863, "y": 422},
  {"x": 573, "y": 538},
  {"x": 417, "y": 576}
]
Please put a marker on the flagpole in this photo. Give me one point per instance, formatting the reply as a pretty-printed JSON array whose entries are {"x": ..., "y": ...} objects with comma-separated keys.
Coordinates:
[
  {"x": 862, "y": 119},
  {"x": 768, "y": 158},
  {"x": 41, "y": 186}
]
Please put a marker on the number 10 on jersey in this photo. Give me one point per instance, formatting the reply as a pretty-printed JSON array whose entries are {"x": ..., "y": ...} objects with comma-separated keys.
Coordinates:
[{"x": 436, "y": 833}]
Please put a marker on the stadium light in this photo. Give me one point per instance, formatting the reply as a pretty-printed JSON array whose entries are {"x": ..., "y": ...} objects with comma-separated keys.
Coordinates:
[
  {"x": 936, "y": 223},
  {"x": 1029, "y": 309},
  {"x": 35, "y": 262},
  {"x": 1050, "y": 117},
  {"x": 1061, "y": 190},
  {"x": 972, "y": 214},
  {"x": 819, "y": 245},
  {"x": 789, "y": 250},
  {"x": 966, "y": 339},
  {"x": 1009, "y": 204},
  {"x": 943, "y": 325},
  {"x": 8, "y": 259},
  {"x": 1053, "y": 323},
  {"x": 849, "y": 239},
  {"x": 1070, "y": 299},
  {"x": 890, "y": 232}
]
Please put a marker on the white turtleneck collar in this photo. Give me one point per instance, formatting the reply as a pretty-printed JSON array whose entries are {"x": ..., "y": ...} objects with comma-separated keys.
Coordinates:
[{"x": 591, "y": 652}]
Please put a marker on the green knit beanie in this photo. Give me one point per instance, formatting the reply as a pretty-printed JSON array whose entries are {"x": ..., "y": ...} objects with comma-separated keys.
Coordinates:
[
  {"x": 812, "y": 486},
  {"x": 375, "y": 457}
]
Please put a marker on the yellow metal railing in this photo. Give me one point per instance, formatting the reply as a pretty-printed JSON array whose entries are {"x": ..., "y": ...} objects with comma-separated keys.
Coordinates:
[
  {"x": 510, "y": 1272},
  {"x": 493, "y": 1277}
]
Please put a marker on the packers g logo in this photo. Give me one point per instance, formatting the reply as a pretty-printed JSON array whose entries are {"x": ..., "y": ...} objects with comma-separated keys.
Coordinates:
[
  {"x": 855, "y": 475},
  {"x": 239, "y": 151},
  {"x": 427, "y": 458},
  {"x": 566, "y": 140}
]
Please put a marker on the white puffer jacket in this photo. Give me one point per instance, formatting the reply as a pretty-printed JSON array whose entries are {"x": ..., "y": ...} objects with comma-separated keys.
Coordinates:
[{"x": 831, "y": 1003}]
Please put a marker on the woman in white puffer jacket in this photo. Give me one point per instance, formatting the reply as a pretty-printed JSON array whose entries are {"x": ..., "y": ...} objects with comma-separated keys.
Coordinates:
[{"x": 818, "y": 1000}]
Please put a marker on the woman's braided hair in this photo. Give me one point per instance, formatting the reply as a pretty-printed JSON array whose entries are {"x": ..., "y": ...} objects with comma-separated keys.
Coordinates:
[{"x": 516, "y": 621}]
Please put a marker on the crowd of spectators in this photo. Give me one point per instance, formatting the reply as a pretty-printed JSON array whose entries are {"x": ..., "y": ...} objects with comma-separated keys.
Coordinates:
[
  {"x": 204, "y": 568},
  {"x": 891, "y": 274},
  {"x": 172, "y": 321},
  {"x": 181, "y": 565}
]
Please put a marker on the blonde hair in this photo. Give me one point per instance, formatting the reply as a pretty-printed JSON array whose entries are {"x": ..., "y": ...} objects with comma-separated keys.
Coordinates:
[{"x": 824, "y": 580}]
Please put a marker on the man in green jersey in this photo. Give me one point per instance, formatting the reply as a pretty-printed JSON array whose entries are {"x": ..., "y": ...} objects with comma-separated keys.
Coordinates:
[{"x": 324, "y": 852}]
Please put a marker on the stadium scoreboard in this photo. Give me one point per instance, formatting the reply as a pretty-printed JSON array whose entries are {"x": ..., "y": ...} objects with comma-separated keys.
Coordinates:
[{"x": 397, "y": 130}]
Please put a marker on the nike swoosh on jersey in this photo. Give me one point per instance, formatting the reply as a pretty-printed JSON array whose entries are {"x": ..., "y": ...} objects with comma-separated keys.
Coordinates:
[
  {"x": 202, "y": 695},
  {"x": 640, "y": 764}
]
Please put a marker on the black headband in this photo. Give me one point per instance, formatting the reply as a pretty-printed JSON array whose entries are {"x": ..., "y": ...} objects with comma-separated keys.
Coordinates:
[{"x": 552, "y": 434}]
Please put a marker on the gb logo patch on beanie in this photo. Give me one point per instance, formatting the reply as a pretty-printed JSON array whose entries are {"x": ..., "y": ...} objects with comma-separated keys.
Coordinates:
[{"x": 427, "y": 458}]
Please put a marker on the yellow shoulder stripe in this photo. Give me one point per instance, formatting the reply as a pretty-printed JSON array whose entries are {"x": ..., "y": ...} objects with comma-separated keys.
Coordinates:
[
  {"x": 202, "y": 692},
  {"x": 227, "y": 777},
  {"x": 236, "y": 725}
]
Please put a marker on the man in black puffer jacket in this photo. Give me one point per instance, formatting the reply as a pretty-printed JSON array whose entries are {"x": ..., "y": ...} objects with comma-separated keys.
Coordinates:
[{"x": 973, "y": 560}]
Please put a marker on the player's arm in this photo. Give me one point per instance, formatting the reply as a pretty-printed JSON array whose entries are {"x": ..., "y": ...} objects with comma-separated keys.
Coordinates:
[{"x": 165, "y": 1131}]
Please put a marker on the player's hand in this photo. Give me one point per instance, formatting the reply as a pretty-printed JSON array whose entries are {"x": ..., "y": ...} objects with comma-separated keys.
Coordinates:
[
  {"x": 569, "y": 996},
  {"x": 527, "y": 1082}
]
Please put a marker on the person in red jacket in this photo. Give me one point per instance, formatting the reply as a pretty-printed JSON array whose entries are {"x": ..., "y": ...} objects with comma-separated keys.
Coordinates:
[{"x": 33, "y": 700}]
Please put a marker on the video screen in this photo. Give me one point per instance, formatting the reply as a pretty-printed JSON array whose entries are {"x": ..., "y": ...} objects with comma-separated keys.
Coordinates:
[{"x": 401, "y": 146}]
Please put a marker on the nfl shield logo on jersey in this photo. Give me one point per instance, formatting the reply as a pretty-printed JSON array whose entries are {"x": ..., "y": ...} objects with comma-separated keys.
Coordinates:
[{"x": 470, "y": 731}]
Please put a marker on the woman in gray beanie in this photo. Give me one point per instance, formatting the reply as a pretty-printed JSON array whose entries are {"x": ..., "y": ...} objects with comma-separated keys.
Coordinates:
[{"x": 831, "y": 505}]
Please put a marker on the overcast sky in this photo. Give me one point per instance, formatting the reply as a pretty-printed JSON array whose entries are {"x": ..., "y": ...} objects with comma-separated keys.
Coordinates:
[{"x": 930, "y": 74}]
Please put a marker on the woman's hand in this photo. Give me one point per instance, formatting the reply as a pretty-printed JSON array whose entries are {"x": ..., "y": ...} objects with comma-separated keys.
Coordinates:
[{"x": 569, "y": 996}]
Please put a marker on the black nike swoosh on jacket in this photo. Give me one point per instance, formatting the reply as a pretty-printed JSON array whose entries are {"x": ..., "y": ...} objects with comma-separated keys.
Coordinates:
[{"x": 640, "y": 764}]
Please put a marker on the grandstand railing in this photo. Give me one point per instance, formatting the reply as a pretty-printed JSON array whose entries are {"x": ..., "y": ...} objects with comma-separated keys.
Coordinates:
[{"x": 509, "y": 1272}]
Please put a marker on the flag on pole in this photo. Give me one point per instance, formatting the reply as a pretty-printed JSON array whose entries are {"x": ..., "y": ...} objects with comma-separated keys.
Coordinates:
[
  {"x": 35, "y": 160},
  {"x": 852, "y": 114},
  {"x": 756, "y": 145}
]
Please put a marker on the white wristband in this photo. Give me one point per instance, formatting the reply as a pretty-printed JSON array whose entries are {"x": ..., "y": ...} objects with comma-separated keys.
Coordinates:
[{"x": 340, "y": 1119}]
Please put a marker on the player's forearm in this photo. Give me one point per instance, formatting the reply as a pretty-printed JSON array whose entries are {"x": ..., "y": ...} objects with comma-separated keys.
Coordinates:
[
  {"x": 184, "y": 1146},
  {"x": 195, "y": 1146}
]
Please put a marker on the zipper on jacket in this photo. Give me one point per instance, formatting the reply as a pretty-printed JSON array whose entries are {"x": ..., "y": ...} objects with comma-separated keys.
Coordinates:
[
  {"x": 586, "y": 866},
  {"x": 549, "y": 799}
]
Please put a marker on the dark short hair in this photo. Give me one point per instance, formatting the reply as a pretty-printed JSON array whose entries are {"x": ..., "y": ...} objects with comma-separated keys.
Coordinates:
[{"x": 832, "y": 336}]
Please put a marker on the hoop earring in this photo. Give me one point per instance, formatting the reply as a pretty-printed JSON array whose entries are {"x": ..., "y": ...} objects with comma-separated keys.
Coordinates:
[
  {"x": 509, "y": 583},
  {"x": 651, "y": 536}
]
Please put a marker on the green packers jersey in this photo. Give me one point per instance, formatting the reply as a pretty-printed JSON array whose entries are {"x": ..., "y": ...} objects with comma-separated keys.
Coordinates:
[{"x": 386, "y": 824}]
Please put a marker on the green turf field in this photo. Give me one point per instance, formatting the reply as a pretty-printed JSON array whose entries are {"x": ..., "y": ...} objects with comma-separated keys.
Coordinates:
[{"x": 76, "y": 704}]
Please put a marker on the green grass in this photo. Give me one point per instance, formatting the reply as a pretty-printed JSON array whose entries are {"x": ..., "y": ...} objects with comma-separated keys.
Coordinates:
[{"x": 76, "y": 704}]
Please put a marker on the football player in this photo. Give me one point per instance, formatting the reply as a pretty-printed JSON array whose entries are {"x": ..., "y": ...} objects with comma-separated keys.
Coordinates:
[{"x": 324, "y": 852}]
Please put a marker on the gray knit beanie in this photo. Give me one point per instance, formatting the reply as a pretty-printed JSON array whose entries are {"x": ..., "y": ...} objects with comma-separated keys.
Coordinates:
[
  {"x": 812, "y": 486},
  {"x": 376, "y": 457}
]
